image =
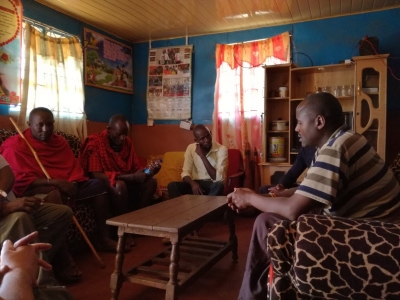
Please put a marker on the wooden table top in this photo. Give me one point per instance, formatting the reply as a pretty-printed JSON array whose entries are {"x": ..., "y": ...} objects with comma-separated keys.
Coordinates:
[{"x": 171, "y": 215}]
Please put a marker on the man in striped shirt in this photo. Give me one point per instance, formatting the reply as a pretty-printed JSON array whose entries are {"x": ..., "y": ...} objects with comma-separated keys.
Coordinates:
[{"x": 347, "y": 178}]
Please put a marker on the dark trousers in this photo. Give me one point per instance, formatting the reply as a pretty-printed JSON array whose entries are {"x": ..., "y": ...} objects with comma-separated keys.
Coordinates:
[
  {"x": 255, "y": 278},
  {"x": 210, "y": 188},
  {"x": 141, "y": 194}
]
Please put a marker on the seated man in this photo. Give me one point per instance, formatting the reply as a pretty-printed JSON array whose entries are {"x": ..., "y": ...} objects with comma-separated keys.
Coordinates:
[
  {"x": 19, "y": 264},
  {"x": 302, "y": 162},
  {"x": 347, "y": 178},
  {"x": 21, "y": 216},
  {"x": 66, "y": 174},
  {"x": 110, "y": 156},
  {"x": 204, "y": 168}
]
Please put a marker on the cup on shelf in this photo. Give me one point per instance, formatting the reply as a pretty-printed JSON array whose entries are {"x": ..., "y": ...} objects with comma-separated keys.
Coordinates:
[
  {"x": 283, "y": 91},
  {"x": 343, "y": 91},
  {"x": 335, "y": 91},
  {"x": 350, "y": 90},
  {"x": 326, "y": 89}
]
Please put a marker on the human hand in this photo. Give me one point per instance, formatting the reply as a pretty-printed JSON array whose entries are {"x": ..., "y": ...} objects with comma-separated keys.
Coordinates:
[
  {"x": 238, "y": 199},
  {"x": 199, "y": 151},
  {"x": 66, "y": 187},
  {"x": 25, "y": 204},
  {"x": 23, "y": 257},
  {"x": 196, "y": 188},
  {"x": 277, "y": 189},
  {"x": 154, "y": 168},
  {"x": 138, "y": 176}
]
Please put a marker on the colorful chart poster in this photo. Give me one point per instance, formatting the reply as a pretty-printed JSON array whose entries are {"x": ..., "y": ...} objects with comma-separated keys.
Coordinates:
[
  {"x": 108, "y": 63},
  {"x": 170, "y": 83},
  {"x": 10, "y": 51}
]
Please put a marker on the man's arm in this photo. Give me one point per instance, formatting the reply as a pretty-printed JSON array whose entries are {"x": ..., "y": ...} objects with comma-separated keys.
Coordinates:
[
  {"x": 299, "y": 165},
  {"x": 187, "y": 169},
  {"x": 210, "y": 169},
  {"x": 289, "y": 207},
  {"x": 6, "y": 179},
  {"x": 65, "y": 186}
]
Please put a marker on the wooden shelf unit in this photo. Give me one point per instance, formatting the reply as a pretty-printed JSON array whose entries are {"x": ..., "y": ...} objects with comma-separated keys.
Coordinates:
[{"x": 363, "y": 102}]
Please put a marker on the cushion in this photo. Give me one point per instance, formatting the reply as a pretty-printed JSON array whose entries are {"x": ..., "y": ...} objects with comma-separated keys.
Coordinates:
[
  {"x": 171, "y": 169},
  {"x": 5, "y": 134}
]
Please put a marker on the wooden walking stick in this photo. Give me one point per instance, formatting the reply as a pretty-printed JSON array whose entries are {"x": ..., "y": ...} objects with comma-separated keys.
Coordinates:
[{"x": 48, "y": 177}]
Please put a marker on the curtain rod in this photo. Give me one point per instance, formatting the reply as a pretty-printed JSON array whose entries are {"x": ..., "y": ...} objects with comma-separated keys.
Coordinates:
[{"x": 49, "y": 28}]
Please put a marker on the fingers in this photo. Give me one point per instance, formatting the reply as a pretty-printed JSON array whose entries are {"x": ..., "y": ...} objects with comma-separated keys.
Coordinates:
[
  {"x": 229, "y": 197},
  {"x": 8, "y": 245},
  {"x": 41, "y": 246},
  {"x": 44, "y": 264},
  {"x": 26, "y": 239},
  {"x": 3, "y": 270}
]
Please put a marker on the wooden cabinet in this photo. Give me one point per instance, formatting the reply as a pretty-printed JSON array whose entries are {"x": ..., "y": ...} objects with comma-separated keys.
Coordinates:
[
  {"x": 275, "y": 141},
  {"x": 370, "y": 100},
  {"x": 360, "y": 86}
]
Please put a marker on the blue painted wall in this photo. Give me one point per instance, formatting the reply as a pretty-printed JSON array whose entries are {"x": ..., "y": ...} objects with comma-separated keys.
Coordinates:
[
  {"x": 100, "y": 103},
  {"x": 324, "y": 41}
]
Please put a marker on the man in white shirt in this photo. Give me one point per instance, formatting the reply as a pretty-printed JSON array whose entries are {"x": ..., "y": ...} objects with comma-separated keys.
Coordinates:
[{"x": 204, "y": 169}]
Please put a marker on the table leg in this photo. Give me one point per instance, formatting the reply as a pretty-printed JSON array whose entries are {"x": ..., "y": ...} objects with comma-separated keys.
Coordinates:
[
  {"x": 232, "y": 234},
  {"x": 117, "y": 277},
  {"x": 171, "y": 291}
]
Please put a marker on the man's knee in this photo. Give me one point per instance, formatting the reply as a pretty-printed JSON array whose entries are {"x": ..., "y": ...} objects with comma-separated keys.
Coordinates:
[
  {"x": 16, "y": 225},
  {"x": 120, "y": 188},
  {"x": 151, "y": 183},
  {"x": 18, "y": 218},
  {"x": 267, "y": 220},
  {"x": 172, "y": 185}
]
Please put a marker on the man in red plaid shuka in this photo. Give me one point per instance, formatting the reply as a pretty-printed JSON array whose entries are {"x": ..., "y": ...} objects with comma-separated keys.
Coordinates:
[{"x": 110, "y": 156}]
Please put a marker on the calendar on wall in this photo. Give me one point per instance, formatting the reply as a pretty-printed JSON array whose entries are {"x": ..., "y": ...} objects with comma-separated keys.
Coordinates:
[{"x": 169, "y": 83}]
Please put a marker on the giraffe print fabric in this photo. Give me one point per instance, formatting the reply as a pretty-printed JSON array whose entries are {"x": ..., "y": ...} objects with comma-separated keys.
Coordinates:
[{"x": 324, "y": 257}]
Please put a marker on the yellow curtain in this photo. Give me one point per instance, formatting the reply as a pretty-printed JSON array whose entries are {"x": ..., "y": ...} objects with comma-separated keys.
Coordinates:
[{"x": 53, "y": 78}]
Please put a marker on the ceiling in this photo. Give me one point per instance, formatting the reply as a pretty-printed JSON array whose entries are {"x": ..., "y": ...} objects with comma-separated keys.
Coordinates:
[{"x": 144, "y": 20}]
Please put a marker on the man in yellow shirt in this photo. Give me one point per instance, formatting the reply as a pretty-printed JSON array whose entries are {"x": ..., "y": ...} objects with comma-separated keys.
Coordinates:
[{"x": 204, "y": 169}]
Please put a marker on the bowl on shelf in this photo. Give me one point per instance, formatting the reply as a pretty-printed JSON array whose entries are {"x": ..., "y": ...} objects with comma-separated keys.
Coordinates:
[{"x": 280, "y": 125}]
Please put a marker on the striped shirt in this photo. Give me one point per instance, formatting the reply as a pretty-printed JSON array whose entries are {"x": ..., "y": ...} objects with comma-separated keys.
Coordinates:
[{"x": 351, "y": 179}]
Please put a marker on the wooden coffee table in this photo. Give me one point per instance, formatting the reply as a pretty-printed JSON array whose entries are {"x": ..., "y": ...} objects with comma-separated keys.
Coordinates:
[{"x": 188, "y": 257}]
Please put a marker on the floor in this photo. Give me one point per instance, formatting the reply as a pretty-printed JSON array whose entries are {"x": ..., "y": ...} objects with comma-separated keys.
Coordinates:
[{"x": 221, "y": 282}]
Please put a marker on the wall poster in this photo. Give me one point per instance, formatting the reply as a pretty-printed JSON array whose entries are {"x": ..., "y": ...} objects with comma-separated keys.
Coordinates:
[
  {"x": 10, "y": 51},
  {"x": 169, "y": 83},
  {"x": 108, "y": 63}
]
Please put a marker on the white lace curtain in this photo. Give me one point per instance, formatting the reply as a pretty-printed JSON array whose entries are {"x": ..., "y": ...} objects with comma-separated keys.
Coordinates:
[{"x": 53, "y": 79}]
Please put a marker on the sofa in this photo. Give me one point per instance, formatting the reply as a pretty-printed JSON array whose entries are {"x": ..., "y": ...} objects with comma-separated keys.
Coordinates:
[
  {"x": 83, "y": 210},
  {"x": 326, "y": 257},
  {"x": 172, "y": 163}
]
